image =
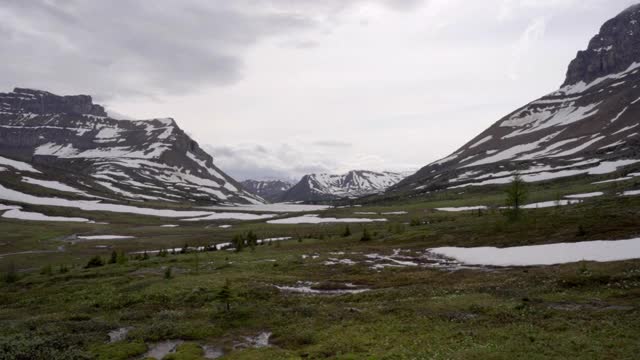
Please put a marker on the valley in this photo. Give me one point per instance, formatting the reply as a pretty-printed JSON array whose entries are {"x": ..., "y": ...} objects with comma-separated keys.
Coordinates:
[{"x": 122, "y": 239}]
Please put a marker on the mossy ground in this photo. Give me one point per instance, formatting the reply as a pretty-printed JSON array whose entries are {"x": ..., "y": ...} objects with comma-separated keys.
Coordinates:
[{"x": 582, "y": 310}]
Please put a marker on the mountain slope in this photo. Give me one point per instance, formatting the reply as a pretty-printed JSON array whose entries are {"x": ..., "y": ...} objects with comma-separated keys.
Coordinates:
[
  {"x": 69, "y": 137},
  {"x": 270, "y": 190},
  {"x": 355, "y": 183},
  {"x": 589, "y": 126}
]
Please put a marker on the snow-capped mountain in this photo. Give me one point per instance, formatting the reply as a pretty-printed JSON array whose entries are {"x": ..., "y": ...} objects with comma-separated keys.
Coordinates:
[
  {"x": 70, "y": 138},
  {"x": 270, "y": 190},
  {"x": 589, "y": 126},
  {"x": 355, "y": 183}
]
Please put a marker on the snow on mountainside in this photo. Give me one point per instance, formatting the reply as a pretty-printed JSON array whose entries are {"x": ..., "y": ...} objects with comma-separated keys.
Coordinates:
[
  {"x": 353, "y": 184},
  {"x": 589, "y": 126},
  {"x": 70, "y": 138},
  {"x": 270, "y": 190}
]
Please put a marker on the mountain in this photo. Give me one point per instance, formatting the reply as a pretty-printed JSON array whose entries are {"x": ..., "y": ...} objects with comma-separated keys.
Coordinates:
[
  {"x": 271, "y": 190},
  {"x": 69, "y": 138},
  {"x": 355, "y": 183},
  {"x": 589, "y": 126}
]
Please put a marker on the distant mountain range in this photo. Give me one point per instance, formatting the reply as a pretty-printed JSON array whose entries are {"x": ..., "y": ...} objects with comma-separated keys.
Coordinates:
[
  {"x": 590, "y": 126},
  {"x": 271, "y": 190},
  {"x": 355, "y": 183},
  {"x": 71, "y": 141}
]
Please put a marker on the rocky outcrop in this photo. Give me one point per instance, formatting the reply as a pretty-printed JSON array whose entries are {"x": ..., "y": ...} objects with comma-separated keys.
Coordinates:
[
  {"x": 43, "y": 102},
  {"x": 270, "y": 190},
  {"x": 612, "y": 50}
]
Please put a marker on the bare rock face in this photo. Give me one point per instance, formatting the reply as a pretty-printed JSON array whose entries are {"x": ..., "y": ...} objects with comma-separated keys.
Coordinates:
[
  {"x": 270, "y": 190},
  {"x": 69, "y": 137},
  {"x": 590, "y": 126},
  {"x": 613, "y": 50},
  {"x": 43, "y": 102}
]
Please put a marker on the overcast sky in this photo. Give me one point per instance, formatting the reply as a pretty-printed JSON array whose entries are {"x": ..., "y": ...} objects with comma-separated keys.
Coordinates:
[{"x": 280, "y": 88}]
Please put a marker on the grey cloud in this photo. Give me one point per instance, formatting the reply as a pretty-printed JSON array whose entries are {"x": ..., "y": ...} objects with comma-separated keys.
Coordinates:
[
  {"x": 142, "y": 48},
  {"x": 332, "y": 143},
  {"x": 283, "y": 161}
]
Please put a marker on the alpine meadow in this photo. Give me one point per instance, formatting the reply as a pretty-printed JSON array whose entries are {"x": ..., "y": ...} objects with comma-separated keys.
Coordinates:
[{"x": 306, "y": 199}]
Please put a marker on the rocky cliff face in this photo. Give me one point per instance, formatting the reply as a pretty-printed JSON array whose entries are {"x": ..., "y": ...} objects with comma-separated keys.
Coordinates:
[
  {"x": 270, "y": 190},
  {"x": 134, "y": 160},
  {"x": 589, "y": 126},
  {"x": 613, "y": 50},
  {"x": 356, "y": 183},
  {"x": 42, "y": 102}
]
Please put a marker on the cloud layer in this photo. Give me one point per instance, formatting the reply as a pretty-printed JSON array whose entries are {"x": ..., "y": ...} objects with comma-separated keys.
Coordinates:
[
  {"x": 280, "y": 88},
  {"x": 141, "y": 48}
]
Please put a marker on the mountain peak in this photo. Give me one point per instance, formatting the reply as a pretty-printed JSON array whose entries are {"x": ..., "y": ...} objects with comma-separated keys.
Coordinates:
[
  {"x": 355, "y": 183},
  {"x": 615, "y": 48}
]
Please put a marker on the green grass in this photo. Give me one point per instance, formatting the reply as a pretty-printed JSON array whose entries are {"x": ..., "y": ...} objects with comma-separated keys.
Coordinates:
[{"x": 581, "y": 310}]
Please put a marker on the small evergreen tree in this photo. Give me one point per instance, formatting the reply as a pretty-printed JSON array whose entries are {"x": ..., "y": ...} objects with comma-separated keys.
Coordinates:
[
  {"x": 122, "y": 258},
  {"x": 11, "y": 276},
  {"x": 95, "y": 261},
  {"x": 365, "y": 235},
  {"x": 114, "y": 257},
  {"x": 46, "y": 270},
  {"x": 145, "y": 256},
  {"x": 346, "y": 232},
  {"x": 252, "y": 239},
  {"x": 517, "y": 194},
  {"x": 167, "y": 273},
  {"x": 238, "y": 242},
  {"x": 224, "y": 295}
]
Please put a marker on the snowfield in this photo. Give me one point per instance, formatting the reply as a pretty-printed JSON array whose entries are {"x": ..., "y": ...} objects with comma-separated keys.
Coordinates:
[
  {"x": 106, "y": 237},
  {"x": 276, "y": 208},
  {"x": 18, "y": 165},
  {"x": 94, "y": 205},
  {"x": 33, "y": 216},
  {"x": 462, "y": 208},
  {"x": 550, "y": 254},
  {"x": 315, "y": 219}
]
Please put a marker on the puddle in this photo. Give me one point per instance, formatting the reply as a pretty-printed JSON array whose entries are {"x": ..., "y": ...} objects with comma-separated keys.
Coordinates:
[
  {"x": 597, "y": 306},
  {"x": 404, "y": 258},
  {"x": 259, "y": 341},
  {"x": 313, "y": 288},
  {"x": 212, "y": 352},
  {"x": 334, "y": 261},
  {"x": 219, "y": 246},
  {"x": 159, "y": 350},
  {"x": 118, "y": 334}
]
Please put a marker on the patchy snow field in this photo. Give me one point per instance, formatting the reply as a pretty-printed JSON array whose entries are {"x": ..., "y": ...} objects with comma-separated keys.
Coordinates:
[
  {"x": 553, "y": 203},
  {"x": 55, "y": 185},
  {"x": 105, "y": 237},
  {"x": 586, "y": 195},
  {"x": 462, "y": 208},
  {"x": 231, "y": 216},
  {"x": 306, "y": 287},
  {"x": 33, "y": 216},
  {"x": 549, "y": 254},
  {"x": 280, "y": 207},
  {"x": 315, "y": 219}
]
